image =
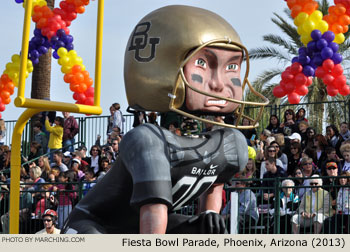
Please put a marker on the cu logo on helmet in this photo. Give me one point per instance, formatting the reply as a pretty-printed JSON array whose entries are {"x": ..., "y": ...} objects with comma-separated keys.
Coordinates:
[{"x": 140, "y": 41}]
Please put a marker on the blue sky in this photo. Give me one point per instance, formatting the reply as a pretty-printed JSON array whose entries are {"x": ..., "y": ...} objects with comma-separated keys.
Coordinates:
[{"x": 251, "y": 19}]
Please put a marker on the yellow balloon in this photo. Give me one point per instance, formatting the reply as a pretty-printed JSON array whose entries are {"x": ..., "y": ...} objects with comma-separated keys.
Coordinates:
[
  {"x": 16, "y": 58},
  {"x": 78, "y": 61},
  {"x": 316, "y": 16},
  {"x": 309, "y": 26},
  {"x": 322, "y": 26},
  {"x": 64, "y": 61},
  {"x": 300, "y": 30},
  {"x": 339, "y": 38},
  {"x": 305, "y": 39},
  {"x": 62, "y": 52},
  {"x": 66, "y": 69},
  {"x": 72, "y": 54},
  {"x": 83, "y": 68},
  {"x": 301, "y": 18}
]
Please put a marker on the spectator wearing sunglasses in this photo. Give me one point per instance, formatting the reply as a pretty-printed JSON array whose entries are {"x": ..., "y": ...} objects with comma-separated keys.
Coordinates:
[
  {"x": 50, "y": 219},
  {"x": 331, "y": 183},
  {"x": 289, "y": 126}
]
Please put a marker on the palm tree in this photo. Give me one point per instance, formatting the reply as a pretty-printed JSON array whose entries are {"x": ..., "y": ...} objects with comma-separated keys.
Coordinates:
[
  {"x": 283, "y": 49},
  {"x": 42, "y": 76}
]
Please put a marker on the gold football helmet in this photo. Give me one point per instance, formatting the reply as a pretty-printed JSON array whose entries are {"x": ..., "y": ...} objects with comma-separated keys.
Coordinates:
[{"x": 160, "y": 46}]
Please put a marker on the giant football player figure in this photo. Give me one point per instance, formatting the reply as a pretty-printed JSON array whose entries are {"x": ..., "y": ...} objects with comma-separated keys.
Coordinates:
[{"x": 187, "y": 60}]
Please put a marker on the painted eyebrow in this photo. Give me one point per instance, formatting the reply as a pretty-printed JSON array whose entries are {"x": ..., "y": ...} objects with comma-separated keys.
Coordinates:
[{"x": 210, "y": 53}]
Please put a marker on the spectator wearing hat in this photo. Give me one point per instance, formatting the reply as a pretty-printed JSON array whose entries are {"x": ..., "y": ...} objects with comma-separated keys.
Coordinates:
[
  {"x": 67, "y": 157},
  {"x": 79, "y": 156},
  {"x": 50, "y": 219},
  {"x": 75, "y": 166},
  {"x": 293, "y": 138},
  {"x": 331, "y": 155},
  {"x": 331, "y": 182},
  {"x": 314, "y": 207}
]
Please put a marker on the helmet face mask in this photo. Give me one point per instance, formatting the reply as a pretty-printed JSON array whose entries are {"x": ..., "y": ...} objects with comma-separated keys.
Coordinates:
[{"x": 158, "y": 79}]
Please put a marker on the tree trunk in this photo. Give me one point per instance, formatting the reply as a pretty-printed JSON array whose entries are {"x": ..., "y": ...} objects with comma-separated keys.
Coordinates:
[{"x": 42, "y": 76}]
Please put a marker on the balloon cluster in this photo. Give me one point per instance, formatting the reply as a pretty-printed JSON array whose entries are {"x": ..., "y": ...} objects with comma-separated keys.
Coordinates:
[
  {"x": 319, "y": 57},
  {"x": 52, "y": 32},
  {"x": 61, "y": 40},
  {"x": 294, "y": 83},
  {"x": 297, "y": 6},
  {"x": 38, "y": 46},
  {"x": 338, "y": 20},
  {"x": 75, "y": 74}
]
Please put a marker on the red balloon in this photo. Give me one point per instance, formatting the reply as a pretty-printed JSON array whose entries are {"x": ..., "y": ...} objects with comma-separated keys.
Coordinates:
[
  {"x": 309, "y": 81},
  {"x": 339, "y": 81},
  {"x": 81, "y": 98},
  {"x": 293, "y": 98},
  {"x": 331, "y": 91},
  {"x": 337, "y": 70},
  {"x": 89, "y": 101},
  {"x": 278, "y": 91},
  {"x": 2, "y": 107},
  {"x": 344, "y": 90},
  {"x": 90, "y": 92},
  {"x": 296, "y": 68},
  {"x": 300, "y": 79},
  {"x": 302, "y": 90},
  {"x": 75, "y": 96},
  {"x": 328, "y": 65},
  {"x": 320, "y": 72},
  {"x": 328, "y": 79},
  {"x": 287, "y": 76},
  {"x": 289, "y": 87}
]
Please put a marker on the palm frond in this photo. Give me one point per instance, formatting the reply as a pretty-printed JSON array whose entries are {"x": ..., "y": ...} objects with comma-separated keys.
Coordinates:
[
  {"x": 267, "y": 53},
  {"x": 278, "y": 40},
  {"x": 287, "y": 28}
]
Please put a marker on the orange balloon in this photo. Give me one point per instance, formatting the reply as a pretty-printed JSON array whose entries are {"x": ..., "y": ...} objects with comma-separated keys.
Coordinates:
[
  {"x": 89, "y": 82},
  {"x": 41, "y": 23},
  {"x": 78, "y": 2},
  {"x": 339, "y": 10},
  {"x": 86, "y": 74},
  {"x": 80, "y": 9},
  {"x": 337, "y": 28},
  {"x": 74, "y": 87},
  {"x": 6, "y": 101},
  {"x": 310, "y": 7},
  {"x": 10, "y": 87},
  {"x": 5, "y": 94},
  {"x": 78, "y": 77},
  {"x": 291, "y": 3},
  {"x": 82, "y": 88},
  {"x": 76, "y": 69},
  {"x": 344, "y": 20},
  {"x": 5, "y": 78},
  {"x": 345, "y": 28},
  {"x": 68, "y": 77},
  {"x": 296, "y": 10}
]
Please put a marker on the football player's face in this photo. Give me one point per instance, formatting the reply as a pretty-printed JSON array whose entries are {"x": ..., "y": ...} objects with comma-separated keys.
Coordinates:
[{"x": 215, "y": 71}]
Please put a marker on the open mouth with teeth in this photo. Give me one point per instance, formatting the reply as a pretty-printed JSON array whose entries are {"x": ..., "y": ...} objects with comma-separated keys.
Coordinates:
[{"x": 216, "y": 103}]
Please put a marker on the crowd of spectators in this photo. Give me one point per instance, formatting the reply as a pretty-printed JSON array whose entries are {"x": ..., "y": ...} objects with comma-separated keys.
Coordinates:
[{"x": 289, "y": 149}]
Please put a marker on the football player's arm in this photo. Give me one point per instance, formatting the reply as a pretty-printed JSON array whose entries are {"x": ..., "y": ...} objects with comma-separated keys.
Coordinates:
[
  {"x": 212, "y": 199},
  {"x": 153, "y": 219}
]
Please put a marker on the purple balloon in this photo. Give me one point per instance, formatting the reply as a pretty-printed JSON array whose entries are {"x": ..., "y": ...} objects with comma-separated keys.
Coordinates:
[
  {"x": 326, "y": 53},
  {"x": 69, "y": 46},
  {"x": 59, "y": 44},
  {"x": 316, "y": 34},
  {"x": 32, "y": 46},
  {"x": 43, "y": 50},
  {"x": 35, "y": 61},
  {"x": 334, "y": 46},
  {"x": 304, "y": 60},
  {"x": 34, "y": 54},
  {"x": 303, "y": 51},
  {"x": 309, "y": 71},
  {"x": 317, "y": 60},
  {"x": 54, "y": 39},
  {"x": 295, "y": 59},
  {"x": 329, "y": 36},
  {"x": 311, "y": 46},
  {"x": 19, "y": 1},
  {"x": 37, "y": 32},
  {"x": 337, "y": 58},
  {"x": 60, "y": 33},
  {"x": 322, "y": 43},
  {"x": 69, "y": 38},
  {"x": 55, "y": 55}
]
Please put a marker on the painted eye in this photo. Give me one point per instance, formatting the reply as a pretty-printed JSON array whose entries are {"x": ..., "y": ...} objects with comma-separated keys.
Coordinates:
[
  {"x": 233, "y": 67},
  {"x": 201, "y": 62}
]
